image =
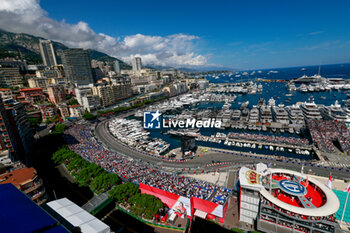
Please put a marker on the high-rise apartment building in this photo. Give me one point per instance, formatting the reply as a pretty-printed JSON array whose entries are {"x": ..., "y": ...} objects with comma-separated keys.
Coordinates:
[
  {"x": 56, "y": 93},
  {"x": 6, "y": 132},
  {"x": 77, "y": 66},
  {"x": 116, "y": 67},
  {"x": 111, "y": 94},
  {"x": 10, "y": 77},
  {"x": 16, "y": 134},
  {"x": 136, "y": 64},
  {"x": 47, "y": 53}
]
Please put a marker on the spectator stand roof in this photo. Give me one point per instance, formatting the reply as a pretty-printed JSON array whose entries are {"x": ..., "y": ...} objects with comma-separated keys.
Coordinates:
[
  {"x": 20, "y": 214},
  {"x": 78, "y": 217}
]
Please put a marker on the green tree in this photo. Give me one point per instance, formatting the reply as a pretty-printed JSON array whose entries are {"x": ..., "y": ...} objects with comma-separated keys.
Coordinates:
[
  {"x": 62, "y": 154},
  {"x": 123, "y": 192},
  {"x": 87, "y": 174},
  {"x": 104, "y": 181},
  {"x": 75, "y": 164},
  {"x": 73, "y": 101},
  {"x": 89, "y": 116},
  {"x": 145, "y": 205},
  {"x": 83, "y": 177},
  {"x": 59, "y": 129}
]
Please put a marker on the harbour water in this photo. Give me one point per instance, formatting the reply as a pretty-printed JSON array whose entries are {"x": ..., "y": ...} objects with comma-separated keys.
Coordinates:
[
  {"x": 327, "y": 71},
  {"x": 278, "y": 91}
]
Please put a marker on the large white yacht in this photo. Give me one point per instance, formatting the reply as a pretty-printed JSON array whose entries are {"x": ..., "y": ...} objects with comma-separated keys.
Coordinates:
[
  {"x": 265, "y": 114},
  {"x": 272, "y": 102},
  {"x": 310, "y": 88},
  {"x": 291, "y": 87},
  {"x": 303, "y": 88},
  {"x": 254, "y": 115},
  {"x": 310, "y": 110},
  {"x": 347, "y": 112},
  {"x": 280, "y": 115},
  {"x": 236, "y": 115},
  {"x": 334, "y": 112},
  {"x": 226, "y": 115},
  {"x": 296, "y": 116}
]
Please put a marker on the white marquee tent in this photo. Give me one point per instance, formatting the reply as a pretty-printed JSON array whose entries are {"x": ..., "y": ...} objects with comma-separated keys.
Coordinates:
[{"x": 78, "y": 217}]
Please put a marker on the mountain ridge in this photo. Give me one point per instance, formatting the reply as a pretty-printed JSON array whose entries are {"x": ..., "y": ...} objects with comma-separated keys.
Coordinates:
[{"x": 14, "y": 44}]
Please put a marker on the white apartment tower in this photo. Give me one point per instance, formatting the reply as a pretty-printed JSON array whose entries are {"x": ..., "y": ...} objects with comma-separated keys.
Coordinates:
[
  {"x": 116, "y": 67},
  {"x": 136, "y": 64},
  {"x": 47, "y": 53}
]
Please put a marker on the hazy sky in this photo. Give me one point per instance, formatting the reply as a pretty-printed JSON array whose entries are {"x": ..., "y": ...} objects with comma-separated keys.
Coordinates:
[{"x": 238, "y": 34}]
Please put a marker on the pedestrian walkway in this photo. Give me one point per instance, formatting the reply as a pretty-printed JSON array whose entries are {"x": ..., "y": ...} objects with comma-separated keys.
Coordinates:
[{"x": 231, "y": 219}]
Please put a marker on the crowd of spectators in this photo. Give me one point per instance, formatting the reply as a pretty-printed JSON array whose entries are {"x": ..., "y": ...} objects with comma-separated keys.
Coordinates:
[
  {"x": 168, "y": 182},
  {"x": 330, "y": 218},
  {"x": 200, "y": 189},
  {"x": 80, "y": 139},
  {"x": 324, "y": 132},
  {"x": 270, "y": 138}
]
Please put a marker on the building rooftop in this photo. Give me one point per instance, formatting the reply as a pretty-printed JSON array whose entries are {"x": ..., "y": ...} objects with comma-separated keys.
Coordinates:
[
  {"x": 74, "y": 106},
  {"x": 18, "y": 177},
  {"x": 31, "y": 89},
  {"x": 295, "y": 188},
  {"x": 77, "y": 216},
  {"x": 21, "y": 214}
]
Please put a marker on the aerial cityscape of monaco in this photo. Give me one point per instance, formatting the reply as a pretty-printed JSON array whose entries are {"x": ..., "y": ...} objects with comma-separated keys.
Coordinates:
[{"x": 174, "y": 116}]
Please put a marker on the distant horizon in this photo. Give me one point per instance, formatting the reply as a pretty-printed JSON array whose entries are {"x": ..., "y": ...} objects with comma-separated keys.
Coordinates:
[
  {"x": 271, "y": 68},
  {"x": 290, "y": 67}
]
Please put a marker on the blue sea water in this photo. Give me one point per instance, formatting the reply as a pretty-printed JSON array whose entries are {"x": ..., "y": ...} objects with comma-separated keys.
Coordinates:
[
  {"x": 327, "y": 71},
  {"x": 276, "y": 90},
  {"x": 279, "y": 90}
]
